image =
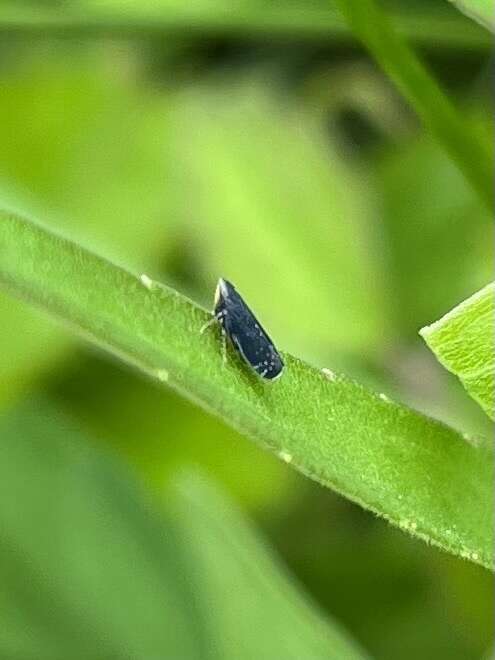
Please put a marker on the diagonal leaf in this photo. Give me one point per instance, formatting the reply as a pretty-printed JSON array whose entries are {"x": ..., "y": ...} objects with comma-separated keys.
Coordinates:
[
  {"x": 90, "y": 568},
  {"x": 86, "y": 568},
  {"x": 482, "y": 11},
  {"x": 311, "y": 21},
  {"x": 234, "y": 571},
  {"x": 392, "y": 460},
  {"x": 464, "y": 342},
  {"x": 473, "y": 157}
]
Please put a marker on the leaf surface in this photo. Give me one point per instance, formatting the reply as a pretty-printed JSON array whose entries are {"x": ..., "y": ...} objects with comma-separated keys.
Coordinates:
[
  {"x": 404, "y": 466},
  {"x": 464, "y": 342}
]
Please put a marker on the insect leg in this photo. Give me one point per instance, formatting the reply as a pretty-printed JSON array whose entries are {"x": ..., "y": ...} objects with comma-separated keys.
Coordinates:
[
  {"x": 207, "y": 324},
  {"x": 224, "y": 347},
  {"x": 214, "y": 318}
]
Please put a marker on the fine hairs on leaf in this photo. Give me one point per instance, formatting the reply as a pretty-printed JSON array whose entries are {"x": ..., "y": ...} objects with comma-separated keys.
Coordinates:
[
  {"x": 464, "y": 340},
  {"x": 406, "y": 467}
]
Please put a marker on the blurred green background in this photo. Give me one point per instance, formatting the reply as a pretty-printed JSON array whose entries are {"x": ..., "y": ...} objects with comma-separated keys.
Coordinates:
[{"x": 260, "y": 143}]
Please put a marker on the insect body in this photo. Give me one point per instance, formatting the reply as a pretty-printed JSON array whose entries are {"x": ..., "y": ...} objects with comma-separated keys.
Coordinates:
[{"x": 245, "y": 332}]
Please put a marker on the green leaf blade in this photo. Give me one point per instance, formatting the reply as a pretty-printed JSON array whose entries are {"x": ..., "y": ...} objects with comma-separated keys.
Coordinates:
[
  {"x": 91, "y": 568},
  {"x": 464, "y": 341},
  {"x": 481, "y": 11},
  {"x": 226, "y": 551},
  {"x": 405, "y": 467},
  {"x": 372, "y": 26},
  {"x": 426, "y": 25}
]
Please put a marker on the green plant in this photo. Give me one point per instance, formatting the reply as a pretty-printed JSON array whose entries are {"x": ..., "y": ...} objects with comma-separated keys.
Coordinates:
[
  {"x": 463, "y": 341},
  {"x": 391, "y": 460},
  {"x": 258, "y": 142},
  {"x": 142, "y": 563}
]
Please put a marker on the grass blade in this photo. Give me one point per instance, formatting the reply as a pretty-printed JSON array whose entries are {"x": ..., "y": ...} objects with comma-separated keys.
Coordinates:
[
  {"x": 92, "y": 569},
  {"x": 391, "y": 460},
  {"x": 426, "y": 25},
  {"x": 481, "y": 11},
  {"x": 413, "y": 80},
  {"x": 226, "y": 550},
  {"x": 463, "y": 341}
]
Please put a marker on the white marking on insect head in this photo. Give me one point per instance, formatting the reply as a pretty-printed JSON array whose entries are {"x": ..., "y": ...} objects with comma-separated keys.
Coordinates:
[{"x": 221, "y": 290}]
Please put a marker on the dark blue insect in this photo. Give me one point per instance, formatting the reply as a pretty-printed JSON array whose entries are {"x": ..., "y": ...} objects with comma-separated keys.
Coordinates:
[{"x": 245, "y": 332}]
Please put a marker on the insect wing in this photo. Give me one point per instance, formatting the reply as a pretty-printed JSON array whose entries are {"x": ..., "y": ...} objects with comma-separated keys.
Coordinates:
[
  {"x": 261, "y": 356},
  {"x": 246, "y": 333}
]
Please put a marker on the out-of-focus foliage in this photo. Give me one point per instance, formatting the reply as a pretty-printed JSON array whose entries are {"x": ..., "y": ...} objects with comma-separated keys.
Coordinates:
[
  {"x": 463, "y": 341},
  {"x": 470, "y": 153},
  {"x": 309, "y": 233},
  {"x": 247, "y": 19},
  {"x": 95, "y": 102},
  {"x": 479, "y": 10},
  {"x": 124, "y": 581},
  {"x": 64, "y": 133}
]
